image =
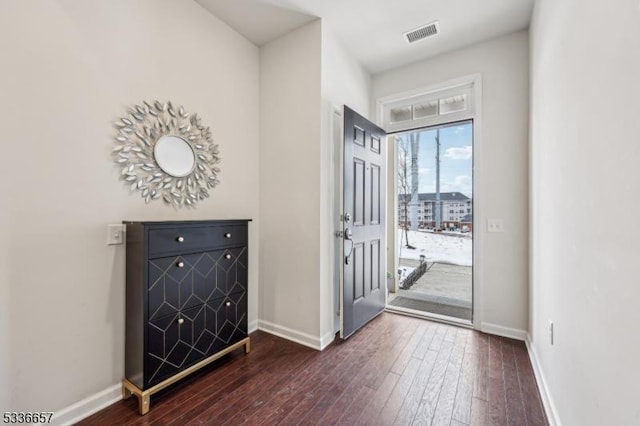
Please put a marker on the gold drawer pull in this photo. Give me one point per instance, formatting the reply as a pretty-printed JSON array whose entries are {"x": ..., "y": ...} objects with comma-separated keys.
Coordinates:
[
  {"x": 228, "y": 303},
  {"x": 180, "y": 239},
  {"x": 227, "y": 256},
  {"x": 227, "y": 235},
  {"x": 180, "y": 321},
  {"x": 180, "y": 265}
]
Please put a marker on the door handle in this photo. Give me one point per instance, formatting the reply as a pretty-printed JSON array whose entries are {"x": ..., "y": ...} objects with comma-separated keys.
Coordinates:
[{"x": 348, "y": 234}]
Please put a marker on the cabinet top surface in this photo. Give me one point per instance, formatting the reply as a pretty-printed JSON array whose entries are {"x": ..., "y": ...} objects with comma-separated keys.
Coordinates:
[{"x": 188, "y": 222}]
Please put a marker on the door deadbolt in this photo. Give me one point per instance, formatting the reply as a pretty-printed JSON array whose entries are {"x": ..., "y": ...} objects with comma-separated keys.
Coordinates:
[{"x": 347, "y": 217}]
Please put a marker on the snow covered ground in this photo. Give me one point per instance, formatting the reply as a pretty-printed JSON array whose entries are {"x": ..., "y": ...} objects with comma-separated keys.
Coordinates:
[{"x": 436, "y": 247}]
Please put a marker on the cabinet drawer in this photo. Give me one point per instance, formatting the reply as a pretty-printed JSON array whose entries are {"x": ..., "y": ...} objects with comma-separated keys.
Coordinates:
[
  {"x": 228, "y": 317},
  {"x": 181, "y": 282},
  {"x": 179, "y": 340},
  {"x": 177, "y": 240},
  {"x": 172, "y": 343}
]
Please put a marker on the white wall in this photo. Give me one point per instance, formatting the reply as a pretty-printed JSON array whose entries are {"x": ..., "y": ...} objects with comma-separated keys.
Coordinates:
[
  {"x": 290, "y": 87},
  {"x": 5, "y": 296},
  {"x": 501, "y": 187},
  {"x": 5, "y": 307},
  {"x": 344, "y": 82},
  {"x": 303, "y": 75},
  {"x": 69, "y": 68},
  {"x": 584, "y": 207}
]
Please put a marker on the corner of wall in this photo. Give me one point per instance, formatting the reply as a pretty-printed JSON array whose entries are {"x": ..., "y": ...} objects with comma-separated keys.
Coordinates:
[
  {"x": 499, "y": 330},
  {"x": 300, "y": 337}
]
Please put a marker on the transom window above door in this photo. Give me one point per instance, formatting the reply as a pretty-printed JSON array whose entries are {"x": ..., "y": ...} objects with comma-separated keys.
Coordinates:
[{"x": 428, "y": 108}]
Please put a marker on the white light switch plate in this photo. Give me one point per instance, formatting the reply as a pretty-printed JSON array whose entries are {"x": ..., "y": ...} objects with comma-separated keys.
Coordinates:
[
  {"x": 115, "y": 234},
  {"x": 495, "y": 225}
]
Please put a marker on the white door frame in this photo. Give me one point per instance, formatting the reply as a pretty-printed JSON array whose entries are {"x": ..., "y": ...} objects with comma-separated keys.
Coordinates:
[
  {"x": 337, "y": 177},
  {"x": 479, "y": 183}
]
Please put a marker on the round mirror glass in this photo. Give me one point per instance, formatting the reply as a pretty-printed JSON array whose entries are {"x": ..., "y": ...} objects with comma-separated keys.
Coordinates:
[{"x": 174, "y": 155}]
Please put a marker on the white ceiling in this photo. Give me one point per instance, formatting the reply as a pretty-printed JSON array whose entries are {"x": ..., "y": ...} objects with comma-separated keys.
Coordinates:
[
  {"x": 372, "y": 29},
  {"x": 260, "y": 21}
]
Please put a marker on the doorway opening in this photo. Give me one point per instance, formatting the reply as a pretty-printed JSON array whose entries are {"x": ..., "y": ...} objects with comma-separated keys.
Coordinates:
[{"x": 434, "y": 222}]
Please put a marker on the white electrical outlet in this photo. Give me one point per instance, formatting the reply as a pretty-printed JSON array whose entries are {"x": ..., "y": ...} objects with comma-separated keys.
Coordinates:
[
  {"x": 115, "y": 234},
  {"x": 495, "y": 225},
  {"x": 551, "y": 331}
]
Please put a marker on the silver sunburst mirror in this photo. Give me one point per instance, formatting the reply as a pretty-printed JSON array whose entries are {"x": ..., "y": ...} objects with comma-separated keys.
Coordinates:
[{"x": 165, "y": 152}]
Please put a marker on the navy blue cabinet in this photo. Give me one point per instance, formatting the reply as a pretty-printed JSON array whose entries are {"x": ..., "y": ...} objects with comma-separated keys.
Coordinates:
[{"x": 186, "y": 299}]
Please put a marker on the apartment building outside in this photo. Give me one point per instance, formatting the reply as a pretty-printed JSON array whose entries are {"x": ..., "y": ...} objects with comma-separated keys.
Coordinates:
[{"x": 456, "y": 210}]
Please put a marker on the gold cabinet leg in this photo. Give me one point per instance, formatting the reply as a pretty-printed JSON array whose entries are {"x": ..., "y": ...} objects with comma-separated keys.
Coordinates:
[
  {"x": 143, "y": 403},
  {"x": 144, "y": 396},
  {"x": 126, "y": 393}
]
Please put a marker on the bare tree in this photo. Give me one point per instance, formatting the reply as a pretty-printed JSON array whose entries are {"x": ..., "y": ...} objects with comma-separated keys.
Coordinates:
[
  {"x": 403, "y": 184},
  {"x": 414, "y": 139}
]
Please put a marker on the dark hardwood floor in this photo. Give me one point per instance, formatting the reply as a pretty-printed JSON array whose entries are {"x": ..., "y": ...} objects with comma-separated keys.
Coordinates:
[{"x": 396, "y": 370}]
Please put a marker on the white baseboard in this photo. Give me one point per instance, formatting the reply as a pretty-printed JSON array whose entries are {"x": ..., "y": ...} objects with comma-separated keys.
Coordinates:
[
  {"x": 94, "y": 403},
  {"x": 498, "y": 330},
  {"x": 300, "y": 337},
  {"x": 83, "y": 409},
  {"x": 253, "y": 326},
  {"x": 327, "y": 339},
  {"x": 547, "y": 401}
]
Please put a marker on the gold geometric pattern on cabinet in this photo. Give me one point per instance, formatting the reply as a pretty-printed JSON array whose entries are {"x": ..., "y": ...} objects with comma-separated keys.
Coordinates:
[
  {"x": 196, "y": 306},
  {"x": 202, "y": 277},
  {"x": 179, "y": 340}
]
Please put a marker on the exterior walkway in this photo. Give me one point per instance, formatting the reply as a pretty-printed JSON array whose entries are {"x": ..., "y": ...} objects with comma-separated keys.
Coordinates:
[{"x": 444, "y": 289}]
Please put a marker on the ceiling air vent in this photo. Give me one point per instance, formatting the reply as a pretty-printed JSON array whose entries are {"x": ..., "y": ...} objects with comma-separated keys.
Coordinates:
[{"x": 422, "y": 32}]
